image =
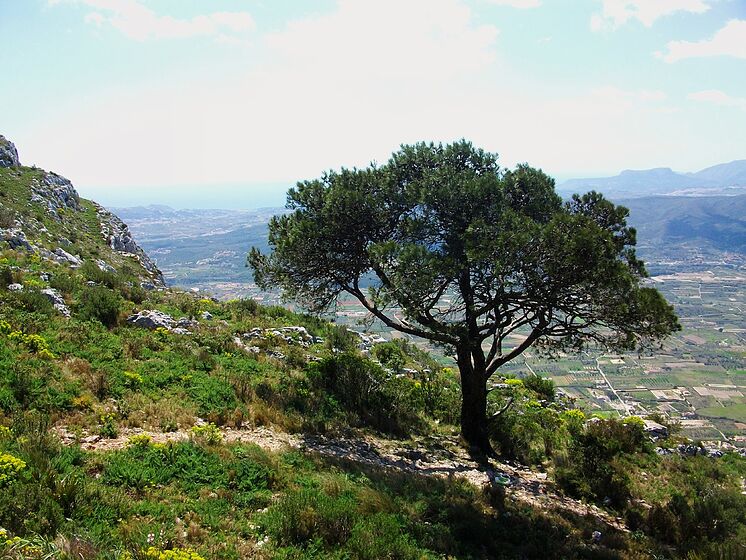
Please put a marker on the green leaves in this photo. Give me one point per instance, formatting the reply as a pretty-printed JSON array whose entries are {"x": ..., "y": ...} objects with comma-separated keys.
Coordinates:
[{"x": 454, "y": 249}]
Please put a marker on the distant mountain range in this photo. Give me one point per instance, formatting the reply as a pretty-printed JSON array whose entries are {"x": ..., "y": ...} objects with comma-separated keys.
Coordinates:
[
  {"x": 205, "y": 248},
  {"x": 692, "y": 219},
  {"x": 722, "y": 179},
  {"x": 666, "y": 224}
]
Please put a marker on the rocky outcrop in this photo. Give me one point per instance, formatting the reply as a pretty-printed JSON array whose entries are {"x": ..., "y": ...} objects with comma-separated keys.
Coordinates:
[
  {"x": 118, "y": 236},
  {"x": 16, "y": 239},
  {"x": 152, "y": 319},
  {"x": 57, "y": 196},
  {"x": 55, "y": 193},
  {"x": 57, "y": 301},
  {"x": 8, "y": 153},
  {"x": 62, "y": 256}
]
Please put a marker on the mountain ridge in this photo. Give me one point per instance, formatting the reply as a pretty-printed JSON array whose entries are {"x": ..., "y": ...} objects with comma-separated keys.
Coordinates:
[{"x": 663, "y": 180}]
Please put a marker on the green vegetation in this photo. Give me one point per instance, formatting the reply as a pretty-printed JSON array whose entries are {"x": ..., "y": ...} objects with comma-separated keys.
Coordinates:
[
  {"x": 459, "y": 252},
  {"x": 81, "y": 479}
]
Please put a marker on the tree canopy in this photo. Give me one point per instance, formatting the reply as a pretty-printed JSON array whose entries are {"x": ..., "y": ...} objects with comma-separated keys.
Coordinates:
[{"x": 443, "y": 244}]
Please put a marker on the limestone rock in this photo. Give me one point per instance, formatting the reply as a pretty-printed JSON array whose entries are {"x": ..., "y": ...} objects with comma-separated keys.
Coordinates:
[
  {"x": 63, "y": 256},
  {"x": 104, "y": 266},
  {"x": 118, "y": 236},
  {"x": 186, "y": 323},
  {"x": 57, "y": 301},
  {"x": 8, "y": 153},
  {"x": 16, "y": 239},
  {"x": 151, "y": 319},
  {"x": 53, "y": 295},
  {"x": 55, "y": 193}
]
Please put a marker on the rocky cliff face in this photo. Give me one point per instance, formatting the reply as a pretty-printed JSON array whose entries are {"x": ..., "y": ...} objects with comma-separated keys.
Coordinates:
[
  {"x": 8, "y": 153},
  {"x": 41, "y": 212},
  {"x": 55, "y": 193},
  {"x": 118, "y": 237}
]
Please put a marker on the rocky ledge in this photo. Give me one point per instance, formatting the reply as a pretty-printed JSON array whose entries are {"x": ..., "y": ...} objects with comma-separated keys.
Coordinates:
[
  {"x": 8, "y": 153},
  {"x": 118, "y": 236}
]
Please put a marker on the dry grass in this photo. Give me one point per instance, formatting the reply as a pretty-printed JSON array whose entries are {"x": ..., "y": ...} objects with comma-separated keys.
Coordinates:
[{"x": 167, "y": 414}]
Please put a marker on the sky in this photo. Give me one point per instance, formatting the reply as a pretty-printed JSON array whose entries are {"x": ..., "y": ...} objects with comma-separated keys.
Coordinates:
[{"x": 227, "y": 103}]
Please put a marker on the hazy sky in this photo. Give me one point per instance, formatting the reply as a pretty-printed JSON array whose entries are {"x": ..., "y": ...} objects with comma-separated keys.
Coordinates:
[{"x": 227, "y": 102}]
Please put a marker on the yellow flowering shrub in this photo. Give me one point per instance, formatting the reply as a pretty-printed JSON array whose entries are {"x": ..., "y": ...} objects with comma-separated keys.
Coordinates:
[
  {"x": 10, "y": 467},
  {"x": 33, "y": 342},
  {"x": 139, "y": 441},
  {"x": 132, "y": 378},
  {"x": 209, "y": 434},
  {"x": 173, "y": 554},
  {"x": 5, "y": 433}
]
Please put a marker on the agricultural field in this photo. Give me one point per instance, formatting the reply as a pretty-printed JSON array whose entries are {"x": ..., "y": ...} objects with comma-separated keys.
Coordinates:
[{"x": 696, "y": 378}]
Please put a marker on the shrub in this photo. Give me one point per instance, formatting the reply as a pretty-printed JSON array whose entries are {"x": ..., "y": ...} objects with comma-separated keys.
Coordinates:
[
  {"x": 153, "y": 553},
  {"x": 143, "y": 466},
  {"x": 7, "y": 217},
  {"x": 93, "y": 273},
  {"x": 305, "y": 515},
  {"x": 208, "y": 434},
  {"x": 544, "y": 388},
  {"x": 108, "y": 426},
  {"x": 10, "y": 469},
  {"x": 100, "y": 304},
  {"x": 381, "y": 536},
  {"x": 366, "y": 392},
  {"x": 593, "y": 468},
  {"x": 64, "y": 282},
  {"x": 250, "y": 476},
  {"x": 6, "y": 276},
  {"x": 391, "y": 355},
  {"x": 33, "y": 301},
  {"x": 341, "y": 339},
  {"x": 243, "y": 307},
  {"x": 215, "y": 398}
]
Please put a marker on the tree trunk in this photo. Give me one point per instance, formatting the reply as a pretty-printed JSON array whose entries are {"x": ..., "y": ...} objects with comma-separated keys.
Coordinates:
[{"x": 473, "y": 404}]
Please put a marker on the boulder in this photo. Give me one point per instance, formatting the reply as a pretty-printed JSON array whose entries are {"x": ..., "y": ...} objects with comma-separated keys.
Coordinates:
[
  {"x": 63, "y": 256},
  {"x": 151, "y": 319},
  {"x": 53, "y": 295},
  {"x": 56, "y": 299},
  {"x": 104, "y": 266},
  {"x": 186, "y": 323},
  {"x": 8, "y": 153},
  {"x": 16, "y": 239}
]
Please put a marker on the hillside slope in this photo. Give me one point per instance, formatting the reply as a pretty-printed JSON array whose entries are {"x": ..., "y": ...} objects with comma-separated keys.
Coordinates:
[
  {"x": 42, "y": 213},
  {"x": 705, "y": 222}
]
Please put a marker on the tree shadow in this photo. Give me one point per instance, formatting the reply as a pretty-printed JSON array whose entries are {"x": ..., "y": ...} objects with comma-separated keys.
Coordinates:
[{"x": 452, "y": 517}]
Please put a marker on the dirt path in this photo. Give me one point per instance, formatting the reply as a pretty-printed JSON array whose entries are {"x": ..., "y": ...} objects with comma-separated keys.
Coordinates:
[{"x": 427, "y": 456}]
